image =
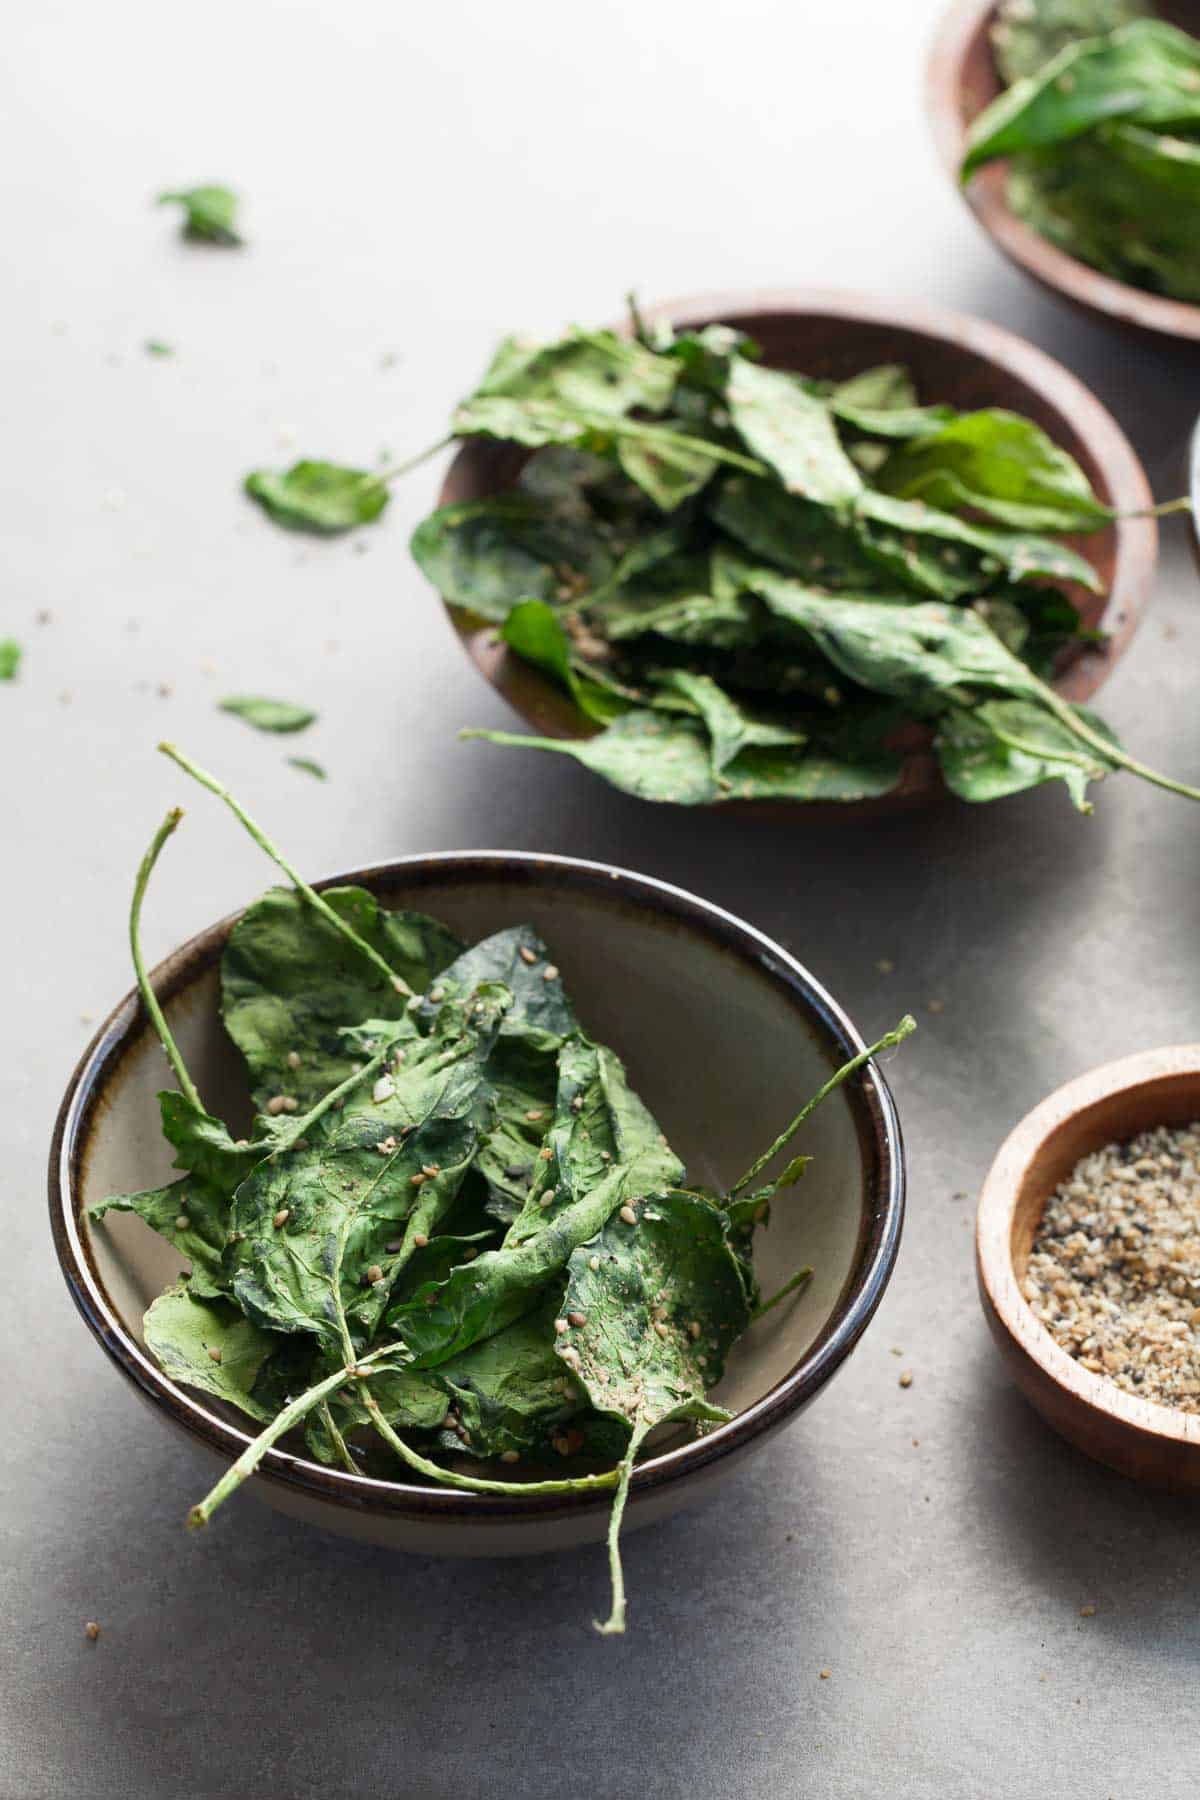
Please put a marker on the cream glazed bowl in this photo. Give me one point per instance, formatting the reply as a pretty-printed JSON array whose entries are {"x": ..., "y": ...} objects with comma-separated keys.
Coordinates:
[{"x": 724, "y": 1034}]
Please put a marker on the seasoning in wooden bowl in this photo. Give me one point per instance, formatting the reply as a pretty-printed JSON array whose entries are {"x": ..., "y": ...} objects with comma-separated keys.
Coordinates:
[{"x": 1114, "y": 1267}]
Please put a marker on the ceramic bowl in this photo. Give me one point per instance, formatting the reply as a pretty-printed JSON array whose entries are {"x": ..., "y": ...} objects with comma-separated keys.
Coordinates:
[
  {"x": 1159, "y": 1087},
  {"x": 961, "y": 81},
  {"x": 965, "y": 361},
  {"x": 723, "y": 1032}
]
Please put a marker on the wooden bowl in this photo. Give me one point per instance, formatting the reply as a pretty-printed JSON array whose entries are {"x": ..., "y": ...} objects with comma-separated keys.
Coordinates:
[
  {"x": 1158, "y": 1087},
  {"x": 723, "y": 1032},
  {"x": 965, "y": 361},
  {"x": 961, "y": 80}
]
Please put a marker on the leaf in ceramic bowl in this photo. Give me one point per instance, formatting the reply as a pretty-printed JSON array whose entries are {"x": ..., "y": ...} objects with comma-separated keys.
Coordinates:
[
  {"x": 791, "y": 431},
  {"x": 1027, "y": 33},
  {"x": 487, "y": 555},
  {"x": 208, "y": 1344}
]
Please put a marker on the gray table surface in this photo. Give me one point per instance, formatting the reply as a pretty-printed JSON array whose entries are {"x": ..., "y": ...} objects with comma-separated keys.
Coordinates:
[{"x": 416, "y": 180}]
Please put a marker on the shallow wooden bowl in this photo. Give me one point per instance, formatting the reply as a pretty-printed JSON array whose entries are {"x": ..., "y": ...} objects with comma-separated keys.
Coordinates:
[
  {"x": 961, "y": 81},
  {"x": 967, "y": 362},
  {"x": 1158, "y": 1087},
  {"x": 723, "y": 1032}
]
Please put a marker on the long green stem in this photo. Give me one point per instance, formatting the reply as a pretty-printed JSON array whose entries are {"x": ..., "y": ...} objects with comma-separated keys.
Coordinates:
[
  {"x": 253, "y": 1454},
  {"x": 614, "y": 1625},
  {"x": 1162, "y": 511},
  {"x": 472, "y": 1484},
  {"x": 149, "y": 997},
  {"x": 1110, "y": 752},
  {"x": 336, "y": 1438},
  {"x": 800, "y": 1279},
  {"x": 904, "y": 1029},
  {"x": 393, "y": 471},
  {"x": 264, "y": 843}
]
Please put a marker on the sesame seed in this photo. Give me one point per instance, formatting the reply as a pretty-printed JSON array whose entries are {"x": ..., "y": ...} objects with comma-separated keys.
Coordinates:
[
  {"x": 526, "y": 954},
  {"x": 281, "y": 1217},
  {"x": 282, "y": 1103},
  {"x": 293, "y": 1059},
  {"x": 401, "y": 987},
  {"x": 825, "y": 1674},
  {"x": 214, "y": 1352},
  {"x": 91, "y": 1631},
  {"x": 593, "y": 1263},
  {"x": 1087, "y": 1612},
  {"x": 906, "y": 1378},
  {"x": 384, "y": 1088},
  {"x": 510, "y": 1456},
  {"x": 660, "y": 1328},
  {"x": 560, "y": 1325},
  {"x": 549, "y": 973},
  {"x": 182, "y": 1222},
  {"x": 693, "y": 1328},
  {"x": 534, "y": 1114},
  {"x": 374, "y": 1274},
  {"x": 576, "y": 1318},
  {"x": 419, "y": 1180},
  {"x": 546, "y": 1153},
  {"x": 628, "y": 1215},
  {"x": 570, "y": 1355},
  {"x": 437, "y": 994},
  {"x": 419, "y": 1240}
]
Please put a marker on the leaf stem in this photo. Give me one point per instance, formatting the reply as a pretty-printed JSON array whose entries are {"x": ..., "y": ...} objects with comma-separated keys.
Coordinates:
[
  {"x": 1110, "y": 752},
  {"x": 264, "y": 843},
  {"x": 339, "y": 1442},
  {"x": 254, "y": 1452},
  {"x": 904, "y": 1029},
  {"x": 614, "y": 1625},
  {"x": 800, "y": 1279},
  {"x": 393, "y": 471},
  {"x": 640, "y": 329},
  {"x": 149, "y": 997},
  {"x": 472, "y": 1484}
]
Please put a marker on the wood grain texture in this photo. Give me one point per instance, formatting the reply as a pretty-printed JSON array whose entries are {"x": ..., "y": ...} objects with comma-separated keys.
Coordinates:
[
  {"x": 961, "y": 80},
  {"x": 966, "y": 361},
  {"x": 1141, "y": 1439}
]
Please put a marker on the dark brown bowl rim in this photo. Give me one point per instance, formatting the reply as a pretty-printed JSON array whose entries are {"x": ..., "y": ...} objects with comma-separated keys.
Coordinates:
[
  {"x": 1089, "y": 288},
  {"x": 1123, "y": 484},
  {"x": 875, "y": 1119}
]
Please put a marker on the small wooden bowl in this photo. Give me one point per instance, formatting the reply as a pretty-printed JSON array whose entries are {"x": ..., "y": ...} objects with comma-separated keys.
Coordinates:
[
  {"x": 961, "y": 80},
  {"x": 1108, "y": 1105},
  {"x": 965, "y": 361}
]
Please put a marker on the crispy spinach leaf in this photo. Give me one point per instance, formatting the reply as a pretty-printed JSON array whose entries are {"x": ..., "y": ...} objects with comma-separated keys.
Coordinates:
[
  {"x": 535, "y": 631},
  {"x": 590, "y": 371},
  {"x": 307, "y": 766},
  {"x": 893, "y": 530},
  {"x": 290, "y": 983},
  {"x": 208, "y": 1344},
  {"x": 791, "y": 431},
  {"x": 268, "y": 715},
  {"x": 209, "y": 213},
  {"x": 731, "y": 728},
  {"x": 1027, "y": 33},
  {"x": 193, "y": 1215},
  {"x": 997, "y": 463},
  {"x": 1006, "y": 746},
  {"x": 489, "y": 554},
  {"x": 10, "y": 659},
  {"x": 323, "y": 497}
]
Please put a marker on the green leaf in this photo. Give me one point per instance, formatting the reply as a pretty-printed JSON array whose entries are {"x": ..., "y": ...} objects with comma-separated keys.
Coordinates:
[
  {"x": 662, "y": 1303},
  {"x": 323, "y": 497},
  {"x": 1143, "y": 74},
  {"x": 792, "y": 432},
  {"x": 594, "y": 372},
  {"x": 893, "y": 530},
  {"x": 156, "y": 347},
  {"x": 208, "y": 1344},
  {"x": 209, "y": 213},
  {"x": 540, "y": 422},
  {"x": 502, "y": 1285},
  {"x": 268, "y": 715},
  {"x": 1006, "y": 746},
  {"x": 1027, "y": 33},
  {"x": 648, "y": 754},
  {"x": 203, "y": 1209},
  {"x": 384, "y": 1175},
  {"x": 535, "y": 631},
  {"x": 798, "y": 536},
  {"x": 307, "y": 766},
  {"x": 730, "y": 727},
  {"x": 10, "y": 659},
  {"x": 488, "y": 555},
  {"x": 668, "y": 473},
  {"x": 1001, "y": 464},
  {"x": 290, "y": 983},
  {"x": 203, "y": 1145}
]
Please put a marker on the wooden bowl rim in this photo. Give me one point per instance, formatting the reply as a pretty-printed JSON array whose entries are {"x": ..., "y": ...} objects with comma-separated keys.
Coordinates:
[
  {"x": 994, "y": 1225},
  {"x": 1115, "y": 300},
  {"x": 872, "y": 1106}
]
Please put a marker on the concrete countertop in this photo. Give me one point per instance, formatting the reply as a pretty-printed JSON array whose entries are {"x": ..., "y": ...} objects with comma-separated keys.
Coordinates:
[{"x": 417, "y": 180}]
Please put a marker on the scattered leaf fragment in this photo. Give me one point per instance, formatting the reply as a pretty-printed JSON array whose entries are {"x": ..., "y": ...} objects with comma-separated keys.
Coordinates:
[
  {"x": 208, "y": 213},
  {"x": 268, "y": 715},
  {"x": 321, "y": 497}
]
